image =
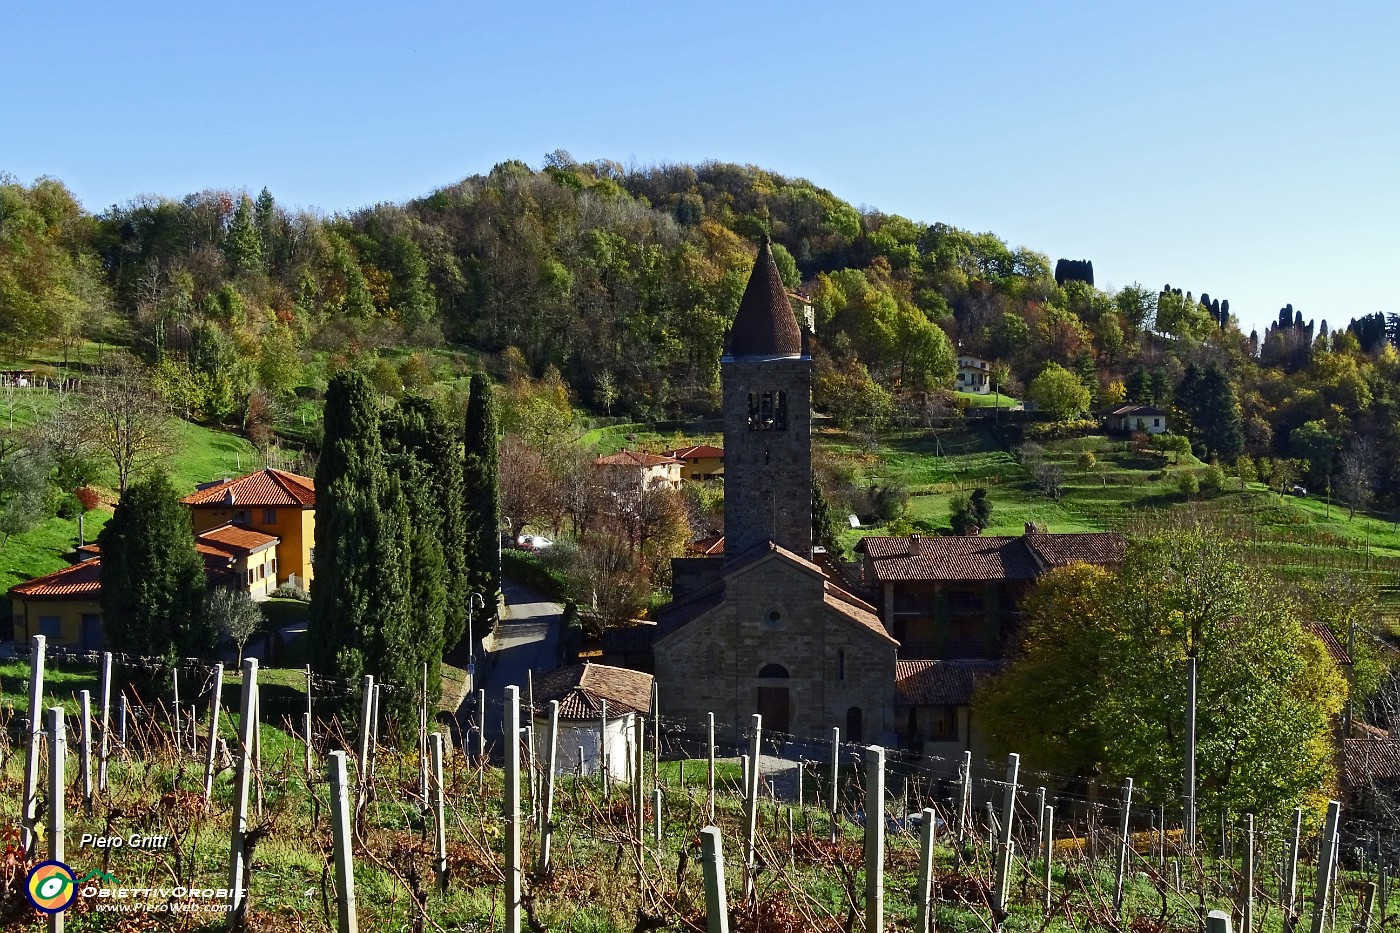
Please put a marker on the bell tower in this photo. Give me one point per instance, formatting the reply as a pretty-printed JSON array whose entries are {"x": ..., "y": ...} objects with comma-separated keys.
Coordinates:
[{"x": 766, "y": 371}]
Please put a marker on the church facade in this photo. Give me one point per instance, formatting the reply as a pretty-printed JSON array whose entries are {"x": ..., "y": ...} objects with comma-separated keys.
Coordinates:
[{"x": 767, "y": 628}]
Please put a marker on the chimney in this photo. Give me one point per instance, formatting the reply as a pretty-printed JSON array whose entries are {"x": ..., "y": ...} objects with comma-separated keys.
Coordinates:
[
  {"x": 1030, "y": 528},
  {"x": 915, "y": 545}
]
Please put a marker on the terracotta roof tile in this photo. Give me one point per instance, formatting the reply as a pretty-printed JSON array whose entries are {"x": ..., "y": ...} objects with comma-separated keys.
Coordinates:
[
  {"x": 629, "y": 639},
  {"x": 960, "y": 557},
  {"x": 235, "y": 539},
  {"x": 841, "y": 603},
  {"x": 80, "y": 580},
  {"x": 1368, "y": 760},
  {"x": 1331, "y": 642},
  {"x": 765, "y": 325},
  {"x": 582, "y": 688},
  {"x": 1060, "y": 550},
  {"x": 941, "y": 683},
  {"x": 707, "y": 547},
  {"x": 263, "y": 489}
]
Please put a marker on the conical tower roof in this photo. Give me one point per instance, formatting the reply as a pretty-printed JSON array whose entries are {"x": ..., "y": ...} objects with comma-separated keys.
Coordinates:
[{"x": 765, "y": 325}]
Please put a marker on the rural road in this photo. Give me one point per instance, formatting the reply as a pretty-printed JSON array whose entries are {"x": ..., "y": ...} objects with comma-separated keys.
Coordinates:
[{"x": 527, "y": 640}]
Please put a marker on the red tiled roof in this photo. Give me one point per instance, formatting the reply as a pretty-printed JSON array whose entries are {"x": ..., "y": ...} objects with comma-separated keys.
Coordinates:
[
  {"x": 629, "y": 639},
  {"x": 960, "y": 557},
  {"x": 1126, "y": 410},
  {"x": 1368, "y": 760},
  {"x": 707, "y": 547},
  {"x": 80, "y": 580},
  {"x": 634, "y": 458},
  {"x": 1060, "y": 550},
  {"x": 978, "y": 557},
  {"x": 700, "y": 450},
  {"x": 261, "y": 490},
  {"x": 235, "y": 540},
  {"x": 940, "y": 683},
  {"x": 1331, "y": 642},
  {"x": 582, "y": 688},
  {"x": 843, "y": 604}
]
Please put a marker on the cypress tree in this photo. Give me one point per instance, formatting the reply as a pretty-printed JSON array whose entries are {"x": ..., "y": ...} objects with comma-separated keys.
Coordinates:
[
  {"x": 426, "y": 453},
  {"x": 243, "y": 248},
  {"x": 823, "y": 521},
  {"x": 349, "y": 531},
  {"x": 153, "y": 579},
  {"x": 481, "y": 500},
  {"x": 1218, "y": 416},
  {"x": 409, "y": 622}
]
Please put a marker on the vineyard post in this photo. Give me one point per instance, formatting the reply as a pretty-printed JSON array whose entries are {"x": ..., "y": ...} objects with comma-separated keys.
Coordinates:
[
  {"x": 547, "y": 824},
  {"x": 511, "y": 802},
  {"x": 121, "y": 723},
  {"x": 1122, "y": 872},
  {"x": 439, "y": 813},
  {"x": 106, "y": 688},
  {"x": 347, "y": 922},
  {"x": 1047, "y": 819},
  {"x": 875, "y": 840},
  {"x": 639, "y": 795},
  {"x": 1008, "y": 820},
  {"x": 481, "y": 728},
  {"x": 656, "y": 736},
  {"x": 751, "y": 807},
  {"x": 1191, "y": 683},
  {"x": 1217, "y": 921},
  {"x": 423, "y": 736},
  {"x": 923, "y": 895},
  {"x": 710, "y": 773},
  {"x": 656, "y": 817},
  {"x": 1384, "y": 888},
  {"x": 791, "y": 839},
  {"x": 58, "y": 751},
  {"x": 1291, "y": 893},
  {"x": 744, "y": 775},
  {"x": 1247, "y": 882},
  {"x": 1367, "y": 905},
  {"x": 603, "y": 748},
  {"x": 30, "y": 814},
  {"x": 964, "y": 796},
  {"x": 179, "y": 748},
  {"x": 246, "y": 726},
  {"x": 1324, "y": 866},
  {"x": 307, "y": 738},
  {"x": 257, "y": 747},
  {"x": 85, "y": 745},
  {"x": 213, "y": 733},
  {"x": 376, "y": 711},
  {"x": 531, "y": 772},
  {"x": 1039, "y": 809},
  {"x": 712, "y": 858},
  {"x": 801, "y": 772},
  {"x": 362, "y": 766},
  {"x": 835, "y": 777},
  {"x": 1162, "y": 837}
]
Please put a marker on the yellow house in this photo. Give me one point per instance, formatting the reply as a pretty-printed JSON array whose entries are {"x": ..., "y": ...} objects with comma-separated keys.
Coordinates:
[
  {"x": 63, "y": 606},
  {"x": 274, "y": 502},
  {"x": 701, "y": 462},
  {"x": 240, "y": 558}
]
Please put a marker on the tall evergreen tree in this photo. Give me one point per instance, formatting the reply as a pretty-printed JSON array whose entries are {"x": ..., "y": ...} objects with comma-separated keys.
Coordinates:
[
  {"x": 1218, "y": 416},
  {"x": 425, "y": 451},
  {"x": 409, "y": 629},
  {"x": 1136, "y": 386},
  {"x": 824, "y": 520},
  {"x": 153, "y": 579},
  {"x": 243, "y": 247},
  {"x": 481, "y": 499},
  {"x": 349, "y": 531}
]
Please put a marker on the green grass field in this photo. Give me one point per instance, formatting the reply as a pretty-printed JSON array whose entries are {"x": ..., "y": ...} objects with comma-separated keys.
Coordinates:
[{"x": 990, "y": 400}]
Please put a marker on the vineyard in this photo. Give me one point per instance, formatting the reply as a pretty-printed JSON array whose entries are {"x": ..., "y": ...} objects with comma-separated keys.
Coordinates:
[{"x": 356, "y": 830}]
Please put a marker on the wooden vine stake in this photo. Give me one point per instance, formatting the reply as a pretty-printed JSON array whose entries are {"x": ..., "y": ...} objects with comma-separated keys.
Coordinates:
[
  {"x": 347, "y": 920},
  {"x": 30, "y": 812}
]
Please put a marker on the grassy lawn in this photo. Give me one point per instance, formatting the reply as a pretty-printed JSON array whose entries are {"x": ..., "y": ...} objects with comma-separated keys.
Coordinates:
[{"x": 990, "y": 400}]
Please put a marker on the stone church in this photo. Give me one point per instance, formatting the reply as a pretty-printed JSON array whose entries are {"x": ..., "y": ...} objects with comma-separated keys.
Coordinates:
[{"x": 771, "y": 627}]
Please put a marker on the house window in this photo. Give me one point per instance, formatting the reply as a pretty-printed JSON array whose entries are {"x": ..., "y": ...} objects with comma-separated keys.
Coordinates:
[
  {"x": 768, "y": 411},
  {"x": 241, "y": 517},
  {"x": 841, "y": 664},
  {"x": 1156, "y": 422},
  {"x": 250, "y": 576},
  {"x": 51, "y": 626},
  {"x": 274, "y": 565},
  {"x": 269, "y": 516},
  {"x": 262, "y": 571}
]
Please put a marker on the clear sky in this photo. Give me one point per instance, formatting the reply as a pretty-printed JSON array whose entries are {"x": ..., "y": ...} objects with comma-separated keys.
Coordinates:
[{"x": 1249, "y": 150}]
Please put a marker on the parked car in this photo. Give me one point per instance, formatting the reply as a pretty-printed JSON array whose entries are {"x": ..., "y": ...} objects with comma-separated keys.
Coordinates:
[
  {"x": 533, "y": 543},
  {"x": 1296, "y": 490}
]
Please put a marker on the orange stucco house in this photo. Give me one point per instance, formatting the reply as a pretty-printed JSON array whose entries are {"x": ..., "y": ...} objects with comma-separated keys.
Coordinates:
[{"x": 276, "y": 503}]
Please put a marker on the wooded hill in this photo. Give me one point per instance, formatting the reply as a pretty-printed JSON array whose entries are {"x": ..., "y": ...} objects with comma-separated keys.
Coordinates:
[{"x": 623, "y": 281}]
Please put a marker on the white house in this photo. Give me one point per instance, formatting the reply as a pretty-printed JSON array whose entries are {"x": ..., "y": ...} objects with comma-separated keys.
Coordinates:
[
  {"x": 1131, "y": 418},
  {"x": 598, "y": 707},
  {"x": 645, "y": 470},
  {"x": 974, "y": 375}
]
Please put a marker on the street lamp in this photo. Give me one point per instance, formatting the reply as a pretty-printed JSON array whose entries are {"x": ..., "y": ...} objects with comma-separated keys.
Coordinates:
[{"x": 473, "y": 600}]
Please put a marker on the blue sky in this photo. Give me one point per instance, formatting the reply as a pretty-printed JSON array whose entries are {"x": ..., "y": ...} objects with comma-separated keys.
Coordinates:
[{"x": 1249, "y": 150}]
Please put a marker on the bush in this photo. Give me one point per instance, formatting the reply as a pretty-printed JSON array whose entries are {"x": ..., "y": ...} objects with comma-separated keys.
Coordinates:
[
  {"x": 526, "y": 569},
  {"x": 70, "y": 507},
  {"x": 88, "y": 497},
  {"x": 1054, "y": 430},
  {"x": 1087, "y": 460},
  {"x": 1214, "y": 479},
  {"x": 291, "y": 591},
  {"x": 1187, "y": 484}
]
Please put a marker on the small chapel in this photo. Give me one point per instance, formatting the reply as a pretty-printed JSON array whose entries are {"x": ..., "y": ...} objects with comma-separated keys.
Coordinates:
[{"x": 770, "y": 627}]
